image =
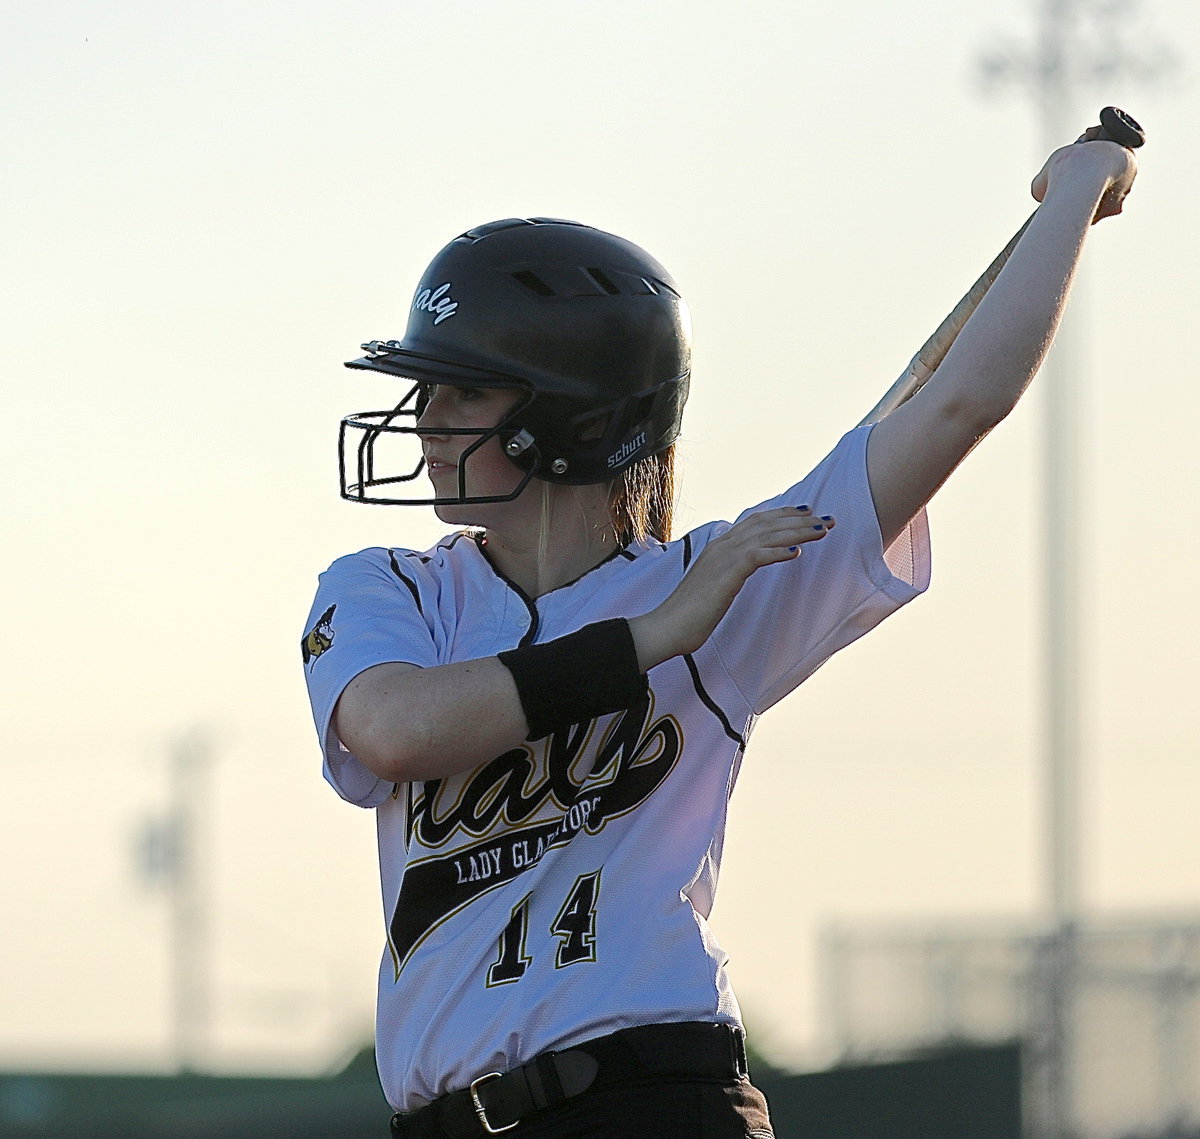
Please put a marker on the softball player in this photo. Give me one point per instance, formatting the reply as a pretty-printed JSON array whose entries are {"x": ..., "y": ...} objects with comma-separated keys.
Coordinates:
[{"x": 547, "y": 711}]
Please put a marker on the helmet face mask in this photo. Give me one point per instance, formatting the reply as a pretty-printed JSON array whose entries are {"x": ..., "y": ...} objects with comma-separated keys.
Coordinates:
[
  {"x": 364, "y": 434},
  {"x": 591, "y": 329}
]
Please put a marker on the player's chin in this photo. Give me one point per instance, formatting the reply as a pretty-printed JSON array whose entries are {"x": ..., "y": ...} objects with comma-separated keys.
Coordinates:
[
  {"x": 456, "y": 514},
  {"x": 477, "y": 513},
  {"x": 468, "y": 514}
]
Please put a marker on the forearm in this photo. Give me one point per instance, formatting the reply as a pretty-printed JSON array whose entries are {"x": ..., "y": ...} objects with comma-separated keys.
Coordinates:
[
  {"x": 1006, "y": 340},
  {"x": 406, "y": 723}
]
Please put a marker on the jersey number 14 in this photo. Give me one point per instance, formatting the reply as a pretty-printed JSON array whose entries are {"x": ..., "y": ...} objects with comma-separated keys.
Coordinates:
[{"x": 574, "y": 926}]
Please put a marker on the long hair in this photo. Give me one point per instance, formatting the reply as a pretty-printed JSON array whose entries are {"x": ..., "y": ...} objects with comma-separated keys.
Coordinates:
[{"x": 642, "y": 500}]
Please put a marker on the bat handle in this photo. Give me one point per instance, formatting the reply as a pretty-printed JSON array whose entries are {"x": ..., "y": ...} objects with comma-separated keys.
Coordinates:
[{"x": 931, "y": 353}]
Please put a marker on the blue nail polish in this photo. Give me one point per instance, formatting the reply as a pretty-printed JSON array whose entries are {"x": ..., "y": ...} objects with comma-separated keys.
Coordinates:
[
  {"x": 793, "y": 549},
  {"x": 805, "y": 507},
  {"x": 818, "y": 526},
  {"x": 826, "y": 517}
]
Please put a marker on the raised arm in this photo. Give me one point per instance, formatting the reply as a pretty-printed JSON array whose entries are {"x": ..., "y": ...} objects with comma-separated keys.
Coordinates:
[{"x": 914, "y": 449}]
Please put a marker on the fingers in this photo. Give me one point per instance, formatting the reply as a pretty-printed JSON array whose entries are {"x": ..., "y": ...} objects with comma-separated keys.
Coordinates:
[
  {"x": 803, "y": 526},
  {"x": 762, "y": 538},
  {"x": 688, "y": 616},
  {"x": 1110, "y": 206},
  {"x": 1113, "y": 201},
  {"x": 785, "y": 526},
  {"x": 770, "y": 536}
]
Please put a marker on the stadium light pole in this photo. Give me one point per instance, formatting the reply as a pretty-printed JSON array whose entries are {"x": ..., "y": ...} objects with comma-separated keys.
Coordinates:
[
  {"x": 1053, "y": 73},
  {"x": 188, "y": 768}
]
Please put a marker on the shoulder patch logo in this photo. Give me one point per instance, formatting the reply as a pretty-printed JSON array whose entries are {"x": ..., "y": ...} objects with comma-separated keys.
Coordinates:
[{"x": 319, "y": 637}]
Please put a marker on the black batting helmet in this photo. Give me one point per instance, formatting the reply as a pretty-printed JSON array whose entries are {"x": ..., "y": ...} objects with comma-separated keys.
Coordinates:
[{"x": 587, "y": 325}]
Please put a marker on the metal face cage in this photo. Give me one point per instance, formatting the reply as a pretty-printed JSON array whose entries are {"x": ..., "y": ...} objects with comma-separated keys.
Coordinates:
[{"x": 360, "y": 433}]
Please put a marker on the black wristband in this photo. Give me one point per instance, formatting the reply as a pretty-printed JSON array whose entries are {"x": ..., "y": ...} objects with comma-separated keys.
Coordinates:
[{"x": 576, "y": 678}]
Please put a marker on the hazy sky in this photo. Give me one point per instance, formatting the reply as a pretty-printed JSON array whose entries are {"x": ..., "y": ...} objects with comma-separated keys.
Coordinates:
[{"x": 207, "y": 207}]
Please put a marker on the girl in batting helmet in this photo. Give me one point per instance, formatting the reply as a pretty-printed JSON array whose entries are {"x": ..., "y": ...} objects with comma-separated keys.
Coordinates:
[{"x": 547, "y": 711}]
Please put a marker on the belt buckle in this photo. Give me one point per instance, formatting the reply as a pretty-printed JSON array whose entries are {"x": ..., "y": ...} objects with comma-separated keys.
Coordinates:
[{"x": 481, "y": 1111}]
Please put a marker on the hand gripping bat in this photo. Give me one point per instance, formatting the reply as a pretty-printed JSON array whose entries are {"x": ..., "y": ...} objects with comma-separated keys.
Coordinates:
[{"x": 1115, "y": 126}]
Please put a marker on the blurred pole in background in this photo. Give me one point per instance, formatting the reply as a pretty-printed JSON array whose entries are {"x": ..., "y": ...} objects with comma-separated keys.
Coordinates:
[
  {"x": 1080, "y": 44},
  {"x": 188, "y": 769},
  {"x": 1062, "y": 575}
]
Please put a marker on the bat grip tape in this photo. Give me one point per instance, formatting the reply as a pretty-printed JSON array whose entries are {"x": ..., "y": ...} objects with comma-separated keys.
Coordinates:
[{"x": 576, "y": 678}]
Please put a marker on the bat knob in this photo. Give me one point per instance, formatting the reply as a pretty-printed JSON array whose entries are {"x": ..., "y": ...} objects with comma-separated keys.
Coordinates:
[{"x": 1117, "y": 126}]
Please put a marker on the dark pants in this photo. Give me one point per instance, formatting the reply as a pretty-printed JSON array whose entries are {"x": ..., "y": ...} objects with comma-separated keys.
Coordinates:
[{"x": 655, "y": 1109}]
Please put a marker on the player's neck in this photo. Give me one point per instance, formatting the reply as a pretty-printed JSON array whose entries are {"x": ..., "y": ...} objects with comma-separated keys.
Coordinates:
[{"x": 561, "y": 534}]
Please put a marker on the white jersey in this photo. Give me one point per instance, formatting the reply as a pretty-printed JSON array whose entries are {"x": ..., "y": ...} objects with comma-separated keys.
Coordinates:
[{"x": 562, "y": 891}]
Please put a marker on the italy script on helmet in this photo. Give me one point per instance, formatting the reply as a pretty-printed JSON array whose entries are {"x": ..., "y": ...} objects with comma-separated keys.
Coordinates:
[{"x": 588, "y": 326}]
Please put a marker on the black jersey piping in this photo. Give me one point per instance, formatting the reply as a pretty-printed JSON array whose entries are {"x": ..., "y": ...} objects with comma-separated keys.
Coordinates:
[
  {"x": 412, "y": 588},
  {"x": 534, "y": 619},
  {"x": 710, "y": 703},
  {"x": 530, "y": 603},
  {"x": 425, "y": 559}
]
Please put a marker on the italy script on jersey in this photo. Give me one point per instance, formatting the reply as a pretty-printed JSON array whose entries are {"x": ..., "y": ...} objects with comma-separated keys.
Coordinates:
[
  {"x": 562, "y": 890},
  {"x": 630, "y": 763}
]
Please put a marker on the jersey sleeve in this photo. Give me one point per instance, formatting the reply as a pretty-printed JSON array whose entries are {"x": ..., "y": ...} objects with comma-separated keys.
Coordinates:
[
  {"x": 367, "y": 611},
  {"x": 792, "y": 617}
]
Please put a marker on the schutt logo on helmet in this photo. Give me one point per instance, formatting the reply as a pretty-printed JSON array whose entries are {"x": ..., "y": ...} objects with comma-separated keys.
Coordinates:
[{"x": 630, "y": 448}]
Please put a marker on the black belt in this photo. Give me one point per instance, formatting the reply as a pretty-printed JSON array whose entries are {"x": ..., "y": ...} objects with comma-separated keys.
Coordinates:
[{"x": 498, "y": 1101}]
